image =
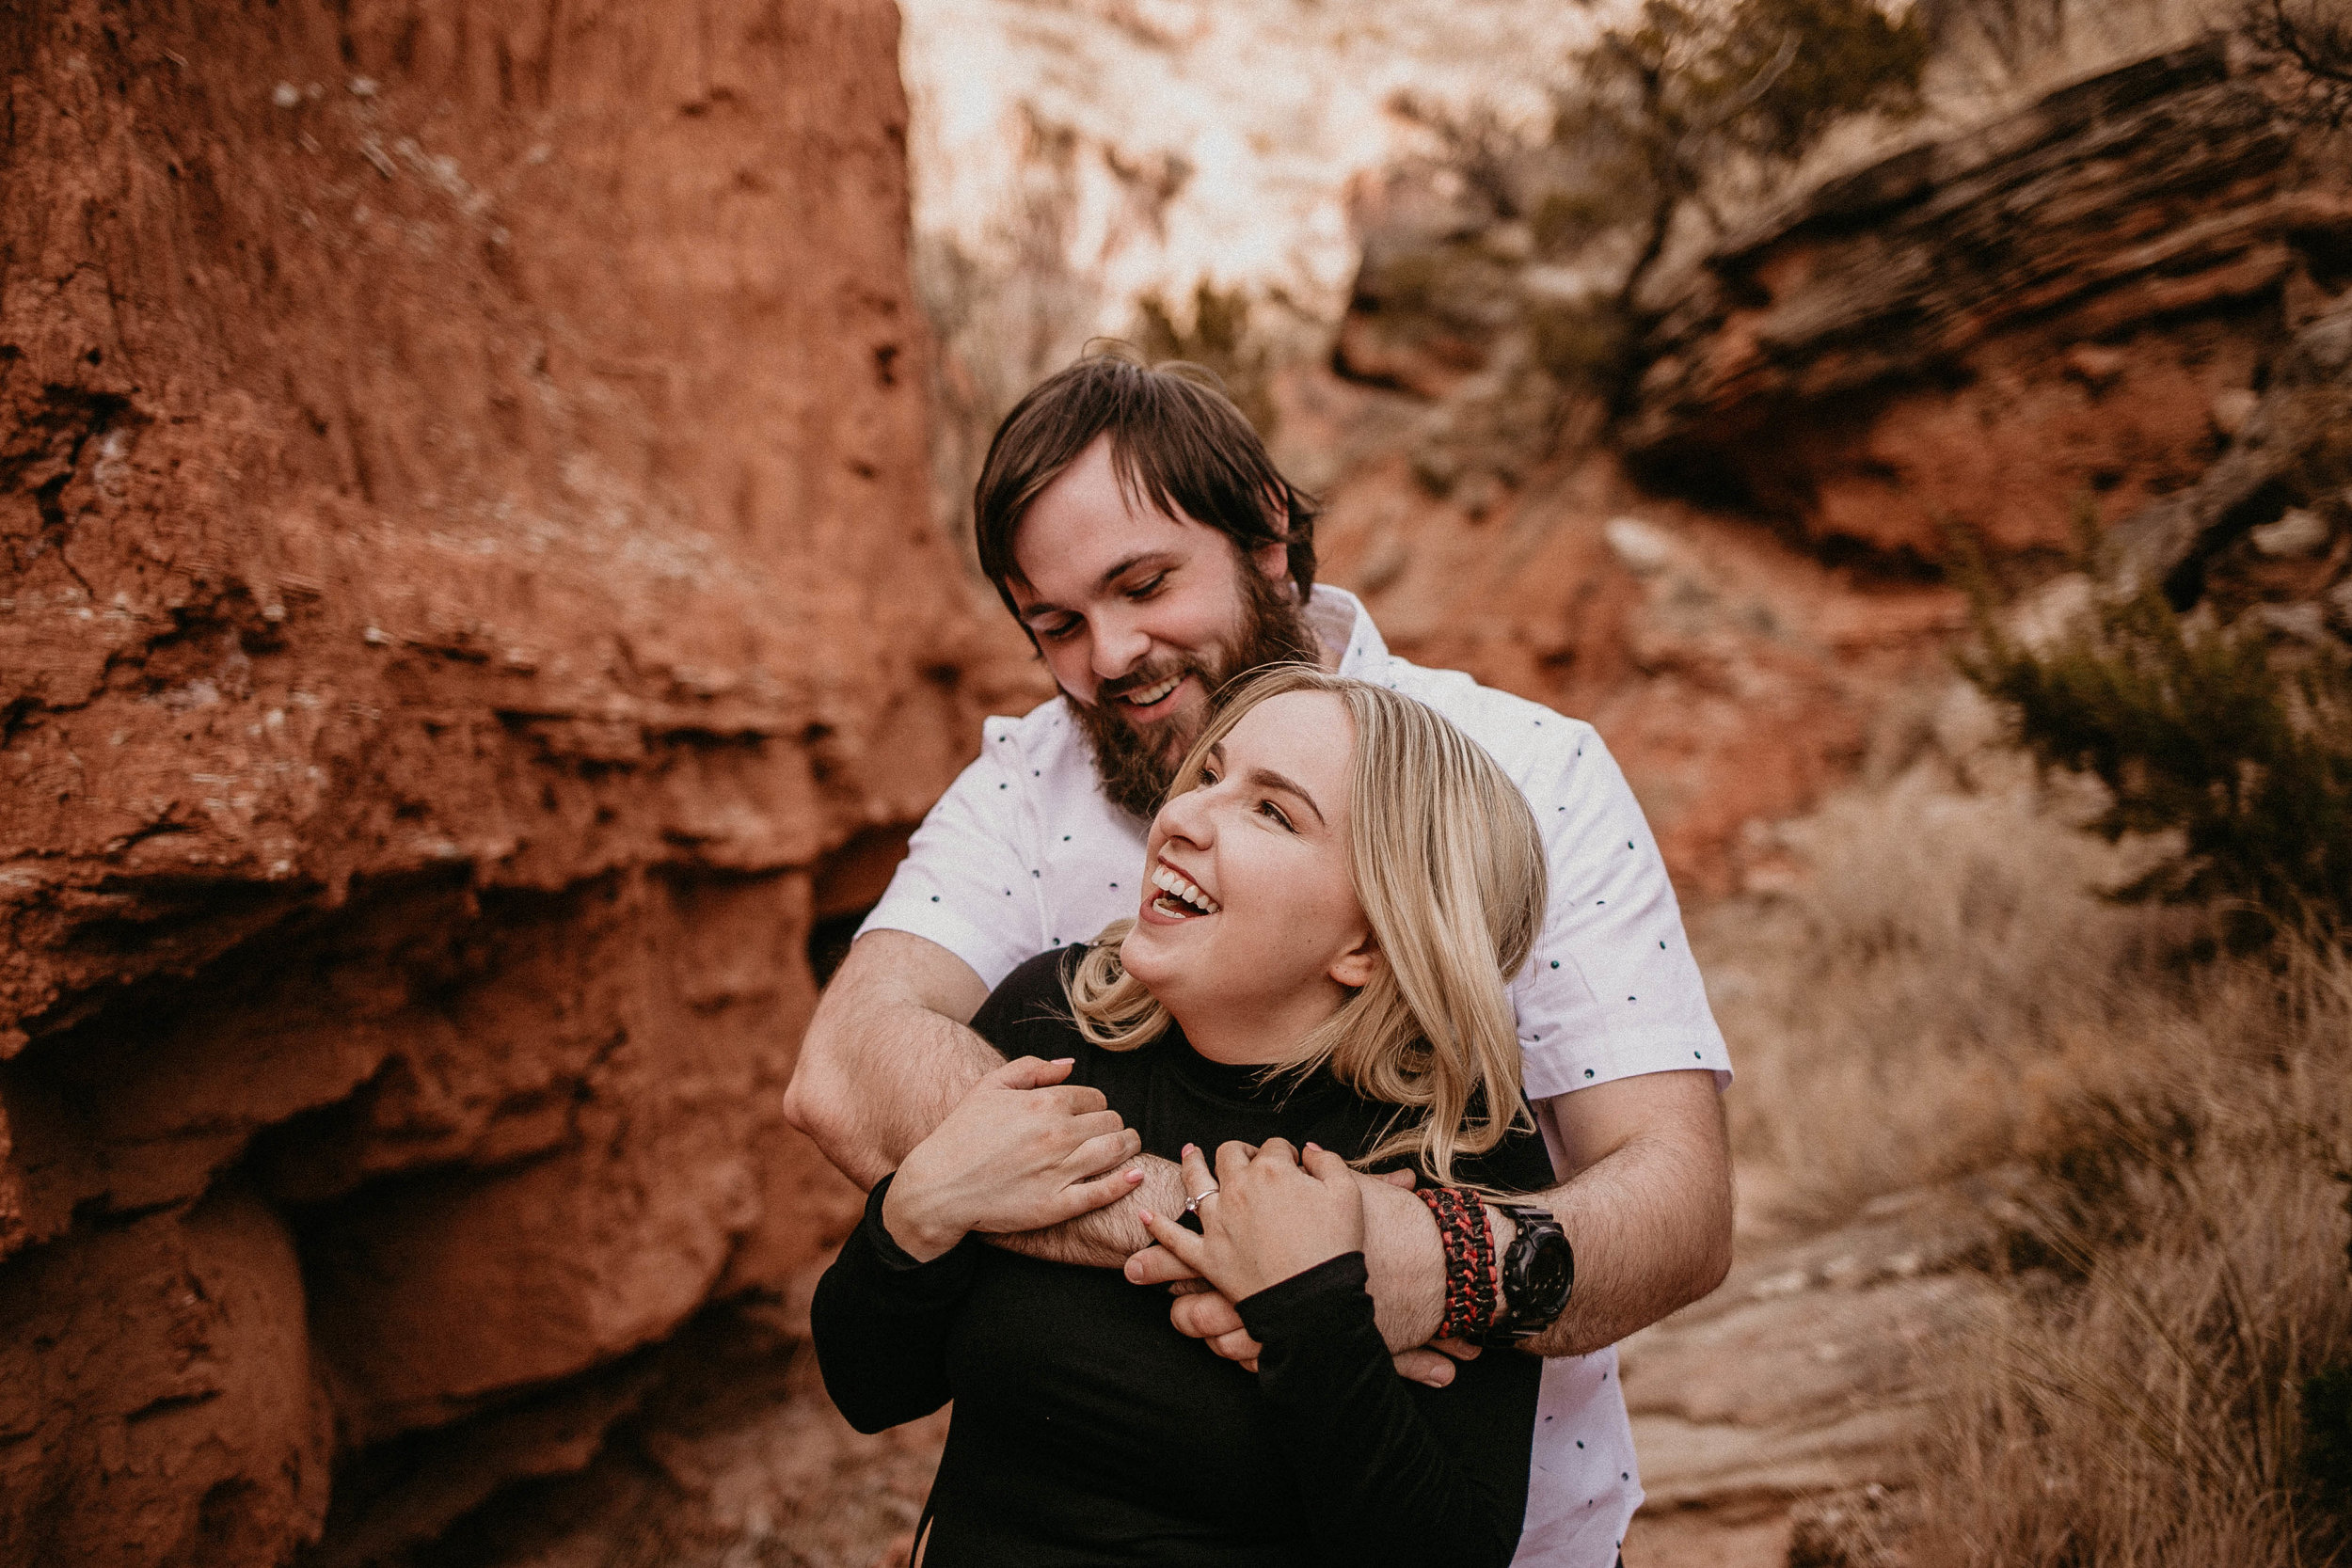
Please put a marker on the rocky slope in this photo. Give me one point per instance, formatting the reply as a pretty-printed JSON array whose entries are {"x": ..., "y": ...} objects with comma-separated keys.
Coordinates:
[
  {"x": 2075, "y": 306},
  {"x": 2073, "y": 303},
  {"x": 467, "y": 610}
]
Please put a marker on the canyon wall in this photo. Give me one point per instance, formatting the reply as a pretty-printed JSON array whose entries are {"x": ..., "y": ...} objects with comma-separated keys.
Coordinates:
[{"x": 468, "y": 613}]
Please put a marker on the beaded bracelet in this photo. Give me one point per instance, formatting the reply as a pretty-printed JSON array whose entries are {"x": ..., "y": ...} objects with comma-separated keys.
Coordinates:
[{"x": 1473, "y": 1280}]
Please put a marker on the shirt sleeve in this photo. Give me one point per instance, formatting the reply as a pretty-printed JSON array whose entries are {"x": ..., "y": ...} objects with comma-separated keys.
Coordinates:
[
  {"x": 880, "y": 1323},
  {"x": 965, "y": 884},
  {"x": 1379, "y": 1483},
  {"x": 1611, "y": 990}
]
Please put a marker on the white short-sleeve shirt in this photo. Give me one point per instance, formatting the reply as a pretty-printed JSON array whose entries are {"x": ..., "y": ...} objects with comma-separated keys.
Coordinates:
[{"x": 1024, "y": 853}]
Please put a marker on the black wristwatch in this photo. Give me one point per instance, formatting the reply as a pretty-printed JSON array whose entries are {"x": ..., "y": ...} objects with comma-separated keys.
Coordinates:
[{"x": 1538, "y": 1275}]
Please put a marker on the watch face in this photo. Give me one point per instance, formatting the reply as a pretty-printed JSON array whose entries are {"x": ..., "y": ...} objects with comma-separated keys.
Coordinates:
[
  {"x": 1547, "y": 1275},
  {"x": 1544, "y": 1276}
]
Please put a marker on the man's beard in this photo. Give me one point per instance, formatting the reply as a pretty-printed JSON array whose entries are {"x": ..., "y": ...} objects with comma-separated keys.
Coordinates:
[{"x": 1137, "y": 765}]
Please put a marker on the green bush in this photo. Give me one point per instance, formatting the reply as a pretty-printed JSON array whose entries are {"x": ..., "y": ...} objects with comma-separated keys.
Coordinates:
[
  {"x": 2241, "y": 748},
  {"x": 1584, "y": 341},
  {"x": 1680, "y": 90},
  {"x": 1220, "y": 339}
]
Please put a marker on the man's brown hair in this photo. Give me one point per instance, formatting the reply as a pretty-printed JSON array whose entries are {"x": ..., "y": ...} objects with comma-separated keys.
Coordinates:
[{"x": 1177, "y": 441}]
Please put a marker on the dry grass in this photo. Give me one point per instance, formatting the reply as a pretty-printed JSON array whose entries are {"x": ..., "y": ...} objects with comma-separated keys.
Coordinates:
[
  {"x": 2142, "y": 1404},
  {"x": 1939, "y": 987},
  {"x": 1935, "y": 989}
]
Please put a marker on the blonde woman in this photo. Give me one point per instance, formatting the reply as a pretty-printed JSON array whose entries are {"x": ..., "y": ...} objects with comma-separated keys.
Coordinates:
[{"x": 1341, "y": 885}]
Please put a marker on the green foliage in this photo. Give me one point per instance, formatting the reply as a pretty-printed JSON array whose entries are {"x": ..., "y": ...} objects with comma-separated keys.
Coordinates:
[
  {"x": 1841, "y": 57},
  {"x": 2243, "y": 749},
  {"x": 2309, "y": 42},
  {"x": 1219, "y": 340},
  {"x": 2327, "y": 1431},
  {"x": 2328, "y": 1413},
  {"x": 1687, "y": 92},
  {"x": 1583, "y": 341}
]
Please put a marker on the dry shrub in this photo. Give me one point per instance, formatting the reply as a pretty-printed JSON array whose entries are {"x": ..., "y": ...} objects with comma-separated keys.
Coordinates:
[
  {"x": 2156, "y": 1393},
  {"x": 1935, "y": 987},
  {"x": 1940, "y": 986}
]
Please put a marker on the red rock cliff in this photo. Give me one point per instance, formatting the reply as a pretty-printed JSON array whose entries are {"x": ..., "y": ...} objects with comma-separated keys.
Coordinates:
[{"x": 465, "y": 607}]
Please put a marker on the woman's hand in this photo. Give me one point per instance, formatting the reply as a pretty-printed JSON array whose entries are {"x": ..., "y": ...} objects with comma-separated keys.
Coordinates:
[
  {"x": 1019, "y": 1152},
  {"x": 1269, "y": 1218}
]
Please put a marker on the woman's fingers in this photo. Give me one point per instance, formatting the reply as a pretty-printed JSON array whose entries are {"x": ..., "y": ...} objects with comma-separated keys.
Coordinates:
[
  {"x": 1197, "y": 1178},
  {"x": 1232, "y": 1159},
  {"x": 1399, "y": 1178},
  {"x": 1031, "y": 1072},
  {"x": 1278, "y": 1148},
  {"x": 1084, "y": 1198},
  {"x": 1092, "y": 1125},
  {"x": 1203, "y": 1315},
  {"x": 1187, "y": 1248},
  {"x": 1325, "y": 1166}
]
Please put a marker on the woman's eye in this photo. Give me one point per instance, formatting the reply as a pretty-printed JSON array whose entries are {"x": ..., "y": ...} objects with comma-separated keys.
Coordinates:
[
  {"x": 1208, "y": 777},
  {"x": 1267, "y": 807}
]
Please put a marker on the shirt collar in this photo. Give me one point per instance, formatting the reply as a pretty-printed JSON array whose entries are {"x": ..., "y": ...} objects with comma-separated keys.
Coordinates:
[{"x": 1341, "y": 623}]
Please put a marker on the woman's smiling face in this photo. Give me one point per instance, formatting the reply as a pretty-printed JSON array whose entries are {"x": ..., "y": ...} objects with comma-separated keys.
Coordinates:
[{"x": 1249, "y": 932}]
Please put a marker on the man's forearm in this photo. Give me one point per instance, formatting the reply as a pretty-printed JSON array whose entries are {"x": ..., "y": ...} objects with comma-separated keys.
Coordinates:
[
  {"x": 875, "y": 1080},
  {"x": 1651, "y": 1225},
  {"x": 1106, "y": 1238}
]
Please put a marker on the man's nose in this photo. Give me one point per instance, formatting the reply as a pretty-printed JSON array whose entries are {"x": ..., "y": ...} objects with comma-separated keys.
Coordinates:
[{"x": 1119, "y": 648}]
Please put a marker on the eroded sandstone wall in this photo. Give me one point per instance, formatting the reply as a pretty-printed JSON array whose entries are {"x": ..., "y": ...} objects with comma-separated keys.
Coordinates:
[
  {"x": 2071, "y": 307},
  {"x": 466, "y": 605}
]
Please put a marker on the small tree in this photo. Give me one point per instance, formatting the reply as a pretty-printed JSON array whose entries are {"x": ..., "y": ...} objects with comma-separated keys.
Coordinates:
[
  {"x": 1219, "y": 340},
  {"x": 2310, "y": 41},
  {"x": 1687, "y": 91},
  {"x": 2244, "y": 751}
]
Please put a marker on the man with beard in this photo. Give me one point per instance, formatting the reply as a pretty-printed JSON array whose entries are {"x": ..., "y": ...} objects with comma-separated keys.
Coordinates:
[{"x": 1136, "y": 528}]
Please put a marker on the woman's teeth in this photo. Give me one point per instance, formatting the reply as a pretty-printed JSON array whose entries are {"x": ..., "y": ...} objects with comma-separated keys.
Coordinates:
[
  {"x": 1152, "y": 694},
  {"x": 1179, "y": 888}
]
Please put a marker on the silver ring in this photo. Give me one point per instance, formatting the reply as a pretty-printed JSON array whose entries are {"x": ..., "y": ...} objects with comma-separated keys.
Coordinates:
[{"x": 1192, "y": 1204}]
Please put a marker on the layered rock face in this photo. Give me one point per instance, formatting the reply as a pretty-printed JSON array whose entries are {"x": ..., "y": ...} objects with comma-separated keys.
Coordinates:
[
  {"x": 467, "y": 610},
  {"x": 2071, "y": 305},
  {"x": 2077, "y": 307}
]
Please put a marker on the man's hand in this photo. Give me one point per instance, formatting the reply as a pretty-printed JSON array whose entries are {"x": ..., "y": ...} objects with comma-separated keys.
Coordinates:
[{"x": 889, "y": 1055}]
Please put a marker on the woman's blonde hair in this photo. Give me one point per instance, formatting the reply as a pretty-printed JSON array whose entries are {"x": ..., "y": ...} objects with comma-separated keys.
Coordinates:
[{"x": 1450, "y": 871}]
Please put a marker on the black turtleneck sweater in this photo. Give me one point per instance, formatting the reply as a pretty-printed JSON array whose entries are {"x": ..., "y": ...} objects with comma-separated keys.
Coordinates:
[{"x": 1088, "y": 1431}]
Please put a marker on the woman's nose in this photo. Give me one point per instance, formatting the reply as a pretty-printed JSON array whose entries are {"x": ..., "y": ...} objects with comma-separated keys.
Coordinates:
[{"x": 1185, "y": 817}]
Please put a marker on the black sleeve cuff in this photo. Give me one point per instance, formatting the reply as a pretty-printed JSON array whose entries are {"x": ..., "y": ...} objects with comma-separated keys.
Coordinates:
[
  {"x": 1328, "y": 1296},
  {"x": 947, "y": 1274}
]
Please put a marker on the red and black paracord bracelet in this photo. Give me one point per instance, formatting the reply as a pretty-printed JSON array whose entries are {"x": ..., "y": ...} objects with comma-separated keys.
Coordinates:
[{"x": 1473, "y": 1280}]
